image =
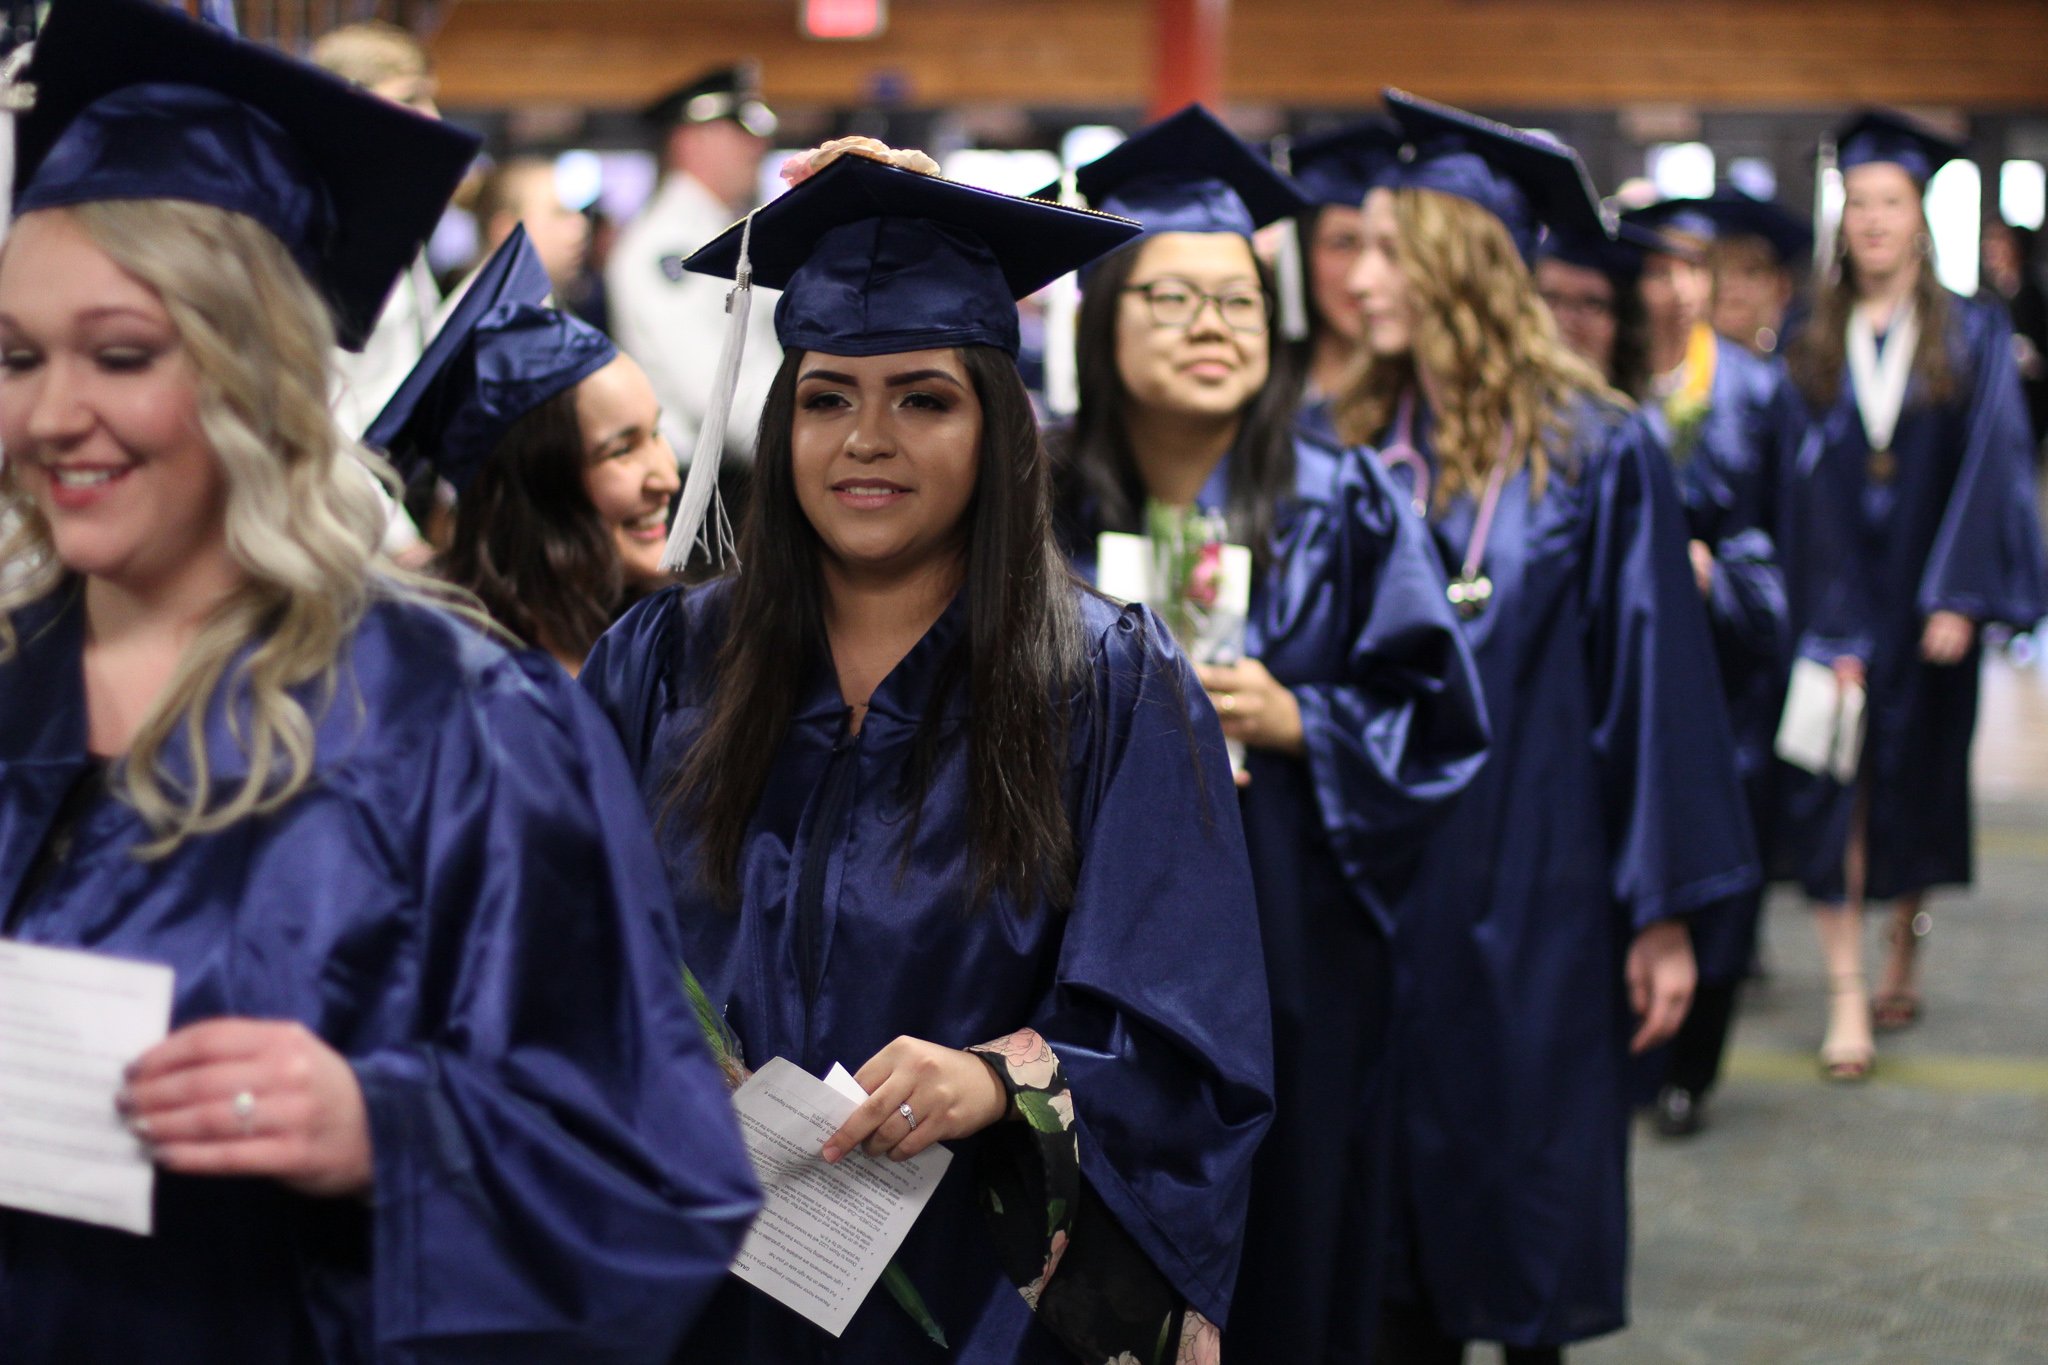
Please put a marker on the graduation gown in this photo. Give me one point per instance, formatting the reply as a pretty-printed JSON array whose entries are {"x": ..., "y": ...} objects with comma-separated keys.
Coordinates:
[
  {"x": 1148, "y": 988},
  {"x": 1728, "y": 477},
  {"x": 1608, "y": 802},
  {"x": 1352, "y": 618},
  {"x": 1867, "y": 563},
  {"x": 466, "y": 903}
]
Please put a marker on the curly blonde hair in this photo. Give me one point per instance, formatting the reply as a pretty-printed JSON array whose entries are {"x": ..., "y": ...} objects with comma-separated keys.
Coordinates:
[
  {"x": 1488, "y": 345},
  {"x": 303, "y": 522}
]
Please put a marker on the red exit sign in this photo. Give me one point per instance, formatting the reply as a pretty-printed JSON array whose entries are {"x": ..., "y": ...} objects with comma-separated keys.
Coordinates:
[{"x": 844, "y": 20}]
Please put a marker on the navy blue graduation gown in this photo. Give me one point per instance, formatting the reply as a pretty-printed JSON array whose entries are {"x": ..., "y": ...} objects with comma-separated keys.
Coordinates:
[
  {"x": 1148, "y": 988},
  {"x": 1608, "y": 801},
  {"x": 1867, "y": 563},
  {"x": 467, "y": 904},
  {"x": 1728, "y": 480},
  {"x": 1352, "y": 618}
]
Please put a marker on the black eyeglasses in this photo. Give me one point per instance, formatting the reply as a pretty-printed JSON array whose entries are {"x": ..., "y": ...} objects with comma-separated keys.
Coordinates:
[{"x": 1177, "y": 303}]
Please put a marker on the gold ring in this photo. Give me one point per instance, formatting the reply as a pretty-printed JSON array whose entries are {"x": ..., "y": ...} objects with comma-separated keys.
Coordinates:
[{"x": 1227, "y": 703}]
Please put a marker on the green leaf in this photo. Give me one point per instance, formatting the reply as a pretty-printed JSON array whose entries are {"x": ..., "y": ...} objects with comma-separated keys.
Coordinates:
[
  {"x": 1036, "y": 1107},
  {"x": 725, "y": 1047},
  {"x": 1055, "y": 1215},
  {"x": 905, "y": 1293}
]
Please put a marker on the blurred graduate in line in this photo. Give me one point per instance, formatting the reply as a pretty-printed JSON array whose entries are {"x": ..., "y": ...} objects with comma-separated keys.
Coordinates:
[
  {"x": 552, "y": 441},
  {"x": 1545, "y": 931},
  {"x": 1759, "y": 257},
  {"x": 935, "y": 811},
  {"x": 1909, "y": 526},
  {"x": 1588, "y": 280},
  {"x": 387, "y": 1125},
  {"x": 1347, "y": 683},
  {"x": 1318, "y": 313},
  {"x": 1722, "y": 416}
]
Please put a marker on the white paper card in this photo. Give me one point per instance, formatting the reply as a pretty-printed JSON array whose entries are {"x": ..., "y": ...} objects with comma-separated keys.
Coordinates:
[
  {"x": 1806, "y": 732},
  {"x": 70, "y": 1022},
  {"x": 1848, "y": 752},
  {"x": 826, "y": 1232}
]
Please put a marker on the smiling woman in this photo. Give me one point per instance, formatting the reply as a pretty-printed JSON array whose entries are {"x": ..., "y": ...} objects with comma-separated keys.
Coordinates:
[
  {"x": 937, "y": 812},
  {"x": 268, "y": 761},
  {"x": 551, "y": 439}
]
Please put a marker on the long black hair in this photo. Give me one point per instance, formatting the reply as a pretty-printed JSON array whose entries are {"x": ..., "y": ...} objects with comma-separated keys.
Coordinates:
[
  {"x": 530, "y": 543},
  {"x": 1020, "y": 658},
  {"x": 1097, "y": 461}
]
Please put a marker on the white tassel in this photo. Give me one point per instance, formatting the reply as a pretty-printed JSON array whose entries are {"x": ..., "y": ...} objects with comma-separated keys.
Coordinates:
[
  {"x": 17, "y": 97},
  {"x": 700, "y": 486},
  {"x": 1292, "y": 282},
  {"x": 1062, "y": 325}
]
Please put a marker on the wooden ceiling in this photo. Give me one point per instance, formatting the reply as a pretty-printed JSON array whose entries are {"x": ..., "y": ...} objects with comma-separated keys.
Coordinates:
[{"x": 1532, "y": 54}]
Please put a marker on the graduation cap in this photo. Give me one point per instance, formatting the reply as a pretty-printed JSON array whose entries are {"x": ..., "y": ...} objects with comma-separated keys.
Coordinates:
[
  {"x": 1526, "y": 180},
  {"x": 1343, "y": 165},
  {"x": 1876, "y": 135},
  {"x": 725, "y": 92},
  {"x": 133, "y": 100},
  {"x": 1620, "y": 257},
  {"x": 872, "y": 259},
  {"x": 500, "y": 355},
  {"x": 1728, "y": 212},
  {"x": 1187, "y": 173}
]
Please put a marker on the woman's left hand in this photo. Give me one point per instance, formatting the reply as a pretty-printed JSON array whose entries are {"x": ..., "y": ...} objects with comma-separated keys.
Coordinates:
[
  {"x": 1253, "y": 706},
  {"x": 1702, "y": 565},
  {"x": 1947, "y": 637},
  {"x": 952, "y": 1094},
  {"x": 253, "y": 1097},
  {"x": 1661, "y": 978}
]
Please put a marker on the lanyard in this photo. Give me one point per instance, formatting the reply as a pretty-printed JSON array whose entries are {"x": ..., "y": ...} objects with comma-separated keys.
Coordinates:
[
  {"x": 1880, "y": 382},
  {"x": 1471, "y": 590}
]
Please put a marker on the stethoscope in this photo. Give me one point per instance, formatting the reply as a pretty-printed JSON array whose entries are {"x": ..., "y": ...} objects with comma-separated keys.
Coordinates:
[{"x": 1471, "y": 590}]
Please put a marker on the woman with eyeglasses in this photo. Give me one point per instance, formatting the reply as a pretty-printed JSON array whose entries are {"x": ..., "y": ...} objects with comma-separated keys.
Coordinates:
[{"x": 1354, "y": 698}]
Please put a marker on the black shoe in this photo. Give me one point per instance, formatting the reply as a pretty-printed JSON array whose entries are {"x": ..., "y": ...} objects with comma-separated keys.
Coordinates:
[{"x": 1678, "y": 1112}]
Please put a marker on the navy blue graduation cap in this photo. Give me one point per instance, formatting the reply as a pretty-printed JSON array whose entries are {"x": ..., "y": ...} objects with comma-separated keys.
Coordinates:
[
  {"x": 1876, "y": 135},
  {"x": 1345, "y": 164},
  {"x": 1620, "y": 257},
  {"x": 725, "y": 92},
  {"x": 1526, "y": 180},
  {"x": 1187, "y": 173},
  {"x": 133, "y": 100},
  {"x": 873, "y": 260},
  {"x": 500, "y": 355},
  {"x": 1728, "y": 212}
]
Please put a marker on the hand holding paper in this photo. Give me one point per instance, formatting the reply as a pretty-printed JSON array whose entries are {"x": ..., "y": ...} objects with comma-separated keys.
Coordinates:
[{"x": 826, "y": 1231}]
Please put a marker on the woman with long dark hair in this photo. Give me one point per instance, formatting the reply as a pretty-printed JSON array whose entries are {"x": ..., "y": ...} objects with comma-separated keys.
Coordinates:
[
  {"x": 1354, "y": 696},
  {"x": 1909, "y": 526},
  {"x": 552, "y": 441},
  {"x": 431, "y": 1091},
  {"x": 934, "y": 810},
  {"x": 1545, "y": 931}
]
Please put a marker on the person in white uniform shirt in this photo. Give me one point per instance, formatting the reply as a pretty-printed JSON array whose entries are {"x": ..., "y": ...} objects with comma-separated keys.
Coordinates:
[{"x": 673, "y": 322}]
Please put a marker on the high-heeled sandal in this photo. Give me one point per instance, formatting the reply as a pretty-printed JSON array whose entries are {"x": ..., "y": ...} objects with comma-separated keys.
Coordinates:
[
  {"x": 1845, "y": 1063},
  {"x": 1897, "y": 1009}
]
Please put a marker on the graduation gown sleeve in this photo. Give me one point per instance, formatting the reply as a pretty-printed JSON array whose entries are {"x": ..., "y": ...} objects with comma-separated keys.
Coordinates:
[
  {"x": 1677, "y": 827},
  {"x": 1987, "y": 561},
  {"x": 1158, "y": 1012},
  {"x": 558, "y": 1171},
  {"x": 1404, "y": 728}
]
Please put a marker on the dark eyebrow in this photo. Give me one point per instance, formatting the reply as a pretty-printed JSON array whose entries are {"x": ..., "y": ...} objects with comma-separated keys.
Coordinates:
[{"x": 895, "y": 381}]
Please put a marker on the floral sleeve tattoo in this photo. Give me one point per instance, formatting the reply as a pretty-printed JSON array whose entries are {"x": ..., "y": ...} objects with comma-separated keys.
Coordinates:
[{"x": 1091, "y": 1285}]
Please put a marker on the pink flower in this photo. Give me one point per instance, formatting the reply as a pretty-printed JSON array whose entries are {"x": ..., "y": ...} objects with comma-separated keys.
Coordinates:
[
  {"x": 1205, "y": 580},
  {"x": 1028, "y": 1058},
  {"x": 1200, "y": 1342},
  {"x": 804, "y": 165}
]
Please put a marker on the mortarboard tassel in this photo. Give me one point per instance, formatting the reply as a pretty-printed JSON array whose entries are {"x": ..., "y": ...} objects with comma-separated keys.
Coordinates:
[
  {"x": 1291, "y": 280},
  {"x": 1062, "y": 319},
  {"x": 700, "y": 486},
  {"x": 17, "y": 97}
]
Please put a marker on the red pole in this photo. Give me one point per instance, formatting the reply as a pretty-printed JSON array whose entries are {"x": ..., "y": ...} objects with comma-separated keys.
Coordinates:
[{"x": 1188, "y": 54}]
